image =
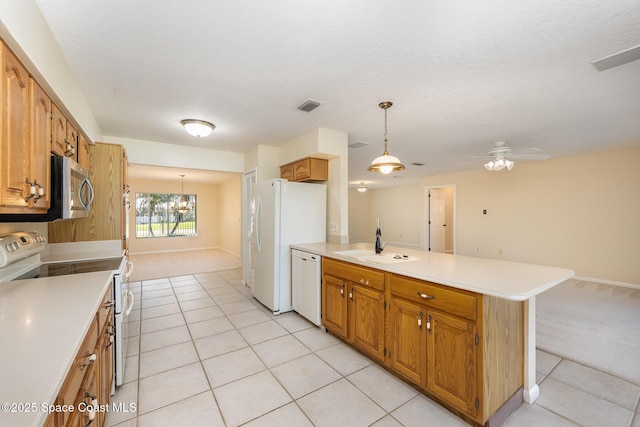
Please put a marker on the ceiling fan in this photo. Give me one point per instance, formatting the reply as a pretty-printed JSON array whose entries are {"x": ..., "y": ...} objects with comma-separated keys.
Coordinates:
[{"x": 500, "y": 157}]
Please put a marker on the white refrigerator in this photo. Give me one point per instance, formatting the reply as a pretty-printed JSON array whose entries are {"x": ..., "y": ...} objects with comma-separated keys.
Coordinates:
[{"x": 282, "y": 213}]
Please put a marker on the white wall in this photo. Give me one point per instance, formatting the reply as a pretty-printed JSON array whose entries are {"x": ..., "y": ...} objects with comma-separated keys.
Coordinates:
[
  {"x": 229, "y": 215},
  {"x": 400, "y": 210}
]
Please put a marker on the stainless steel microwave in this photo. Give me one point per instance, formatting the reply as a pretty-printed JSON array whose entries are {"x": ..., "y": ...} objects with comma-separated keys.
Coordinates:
[
  {"x": 71, "y": 194},
  {"x": 74, "y": 190}
]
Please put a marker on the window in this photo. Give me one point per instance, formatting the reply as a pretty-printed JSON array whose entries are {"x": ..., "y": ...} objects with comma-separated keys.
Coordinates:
[{"x": 165, "y": 215}]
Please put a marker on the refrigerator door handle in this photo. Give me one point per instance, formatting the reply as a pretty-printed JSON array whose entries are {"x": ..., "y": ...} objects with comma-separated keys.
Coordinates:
[{"x": 258, "y": 204}]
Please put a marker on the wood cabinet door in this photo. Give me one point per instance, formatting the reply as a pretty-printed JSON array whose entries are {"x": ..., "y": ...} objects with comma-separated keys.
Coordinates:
[
  {"x": 366, "y": 320},
  {"x": 71, "y": 141},
  {"x": 408, "y": 337},
  {"x": 105, "y": 351},
  {"x": 40, "y": 124},
  {"x": 83, "y": 152},
  {"x": 334, "y": 305},
  {"x": 58, "y": 131},
  {"x": 286, "y": 172},
  {"x": 451, "y": 360},
  {"x": 14, "y": 140}
]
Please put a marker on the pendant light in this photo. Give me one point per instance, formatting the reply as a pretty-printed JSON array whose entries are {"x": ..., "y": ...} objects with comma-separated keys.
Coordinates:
[
  {"x": 362, "y": 187},
  {"x": 385, "y": 163},
  {"x": 183, "y": 205}
]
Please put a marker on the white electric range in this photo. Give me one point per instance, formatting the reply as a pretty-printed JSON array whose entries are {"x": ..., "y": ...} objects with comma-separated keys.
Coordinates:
[{"x": 20, "y": 258}]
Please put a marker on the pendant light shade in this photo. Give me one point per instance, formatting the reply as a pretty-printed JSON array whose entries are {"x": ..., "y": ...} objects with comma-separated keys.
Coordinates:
[
  {"x": 183, "y": 205},
  {"x": 385, "y": 163},
  {"x": 197, "y": 128}
]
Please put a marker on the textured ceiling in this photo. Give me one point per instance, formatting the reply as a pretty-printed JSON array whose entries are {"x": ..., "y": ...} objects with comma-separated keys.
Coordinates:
[{"x": 461, "y": 74}]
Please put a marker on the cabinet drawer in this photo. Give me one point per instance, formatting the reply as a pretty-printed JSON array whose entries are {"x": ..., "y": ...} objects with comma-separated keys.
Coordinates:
[
  {"x": 454, "y": 301},
  {"x": 354, "y": 273},
  {"x": 105, "y": 311},
  {"x": 82, "y": 365}
]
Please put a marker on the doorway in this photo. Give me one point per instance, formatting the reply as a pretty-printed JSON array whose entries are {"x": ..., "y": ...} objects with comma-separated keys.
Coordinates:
[
  {"x": 440, "y": 214},
  {"x": 249, "y": 178}
]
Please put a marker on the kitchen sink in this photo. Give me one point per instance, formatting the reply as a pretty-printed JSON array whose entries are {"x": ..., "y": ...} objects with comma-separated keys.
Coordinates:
[
  {"x": 357, "y": 253},
  {"x": 386, "y": 258}
]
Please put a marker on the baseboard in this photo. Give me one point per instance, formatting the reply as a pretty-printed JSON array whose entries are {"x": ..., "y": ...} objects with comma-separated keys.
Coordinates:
[
  {"x": 607, "y": 282},
  {"x": 180, "y": 250}
]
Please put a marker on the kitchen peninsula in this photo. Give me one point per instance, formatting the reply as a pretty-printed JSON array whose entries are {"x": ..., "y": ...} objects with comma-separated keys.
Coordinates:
[{"x": 461, "y": 329}]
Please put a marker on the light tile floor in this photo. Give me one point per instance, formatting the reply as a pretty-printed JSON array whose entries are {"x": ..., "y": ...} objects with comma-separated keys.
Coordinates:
[{"x": 203, "y": 352}]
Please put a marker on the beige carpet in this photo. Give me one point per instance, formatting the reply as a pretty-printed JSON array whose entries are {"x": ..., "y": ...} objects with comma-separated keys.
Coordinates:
[
  {"x": 593, "y": 324},
  {"x": 169, "y": 264}
]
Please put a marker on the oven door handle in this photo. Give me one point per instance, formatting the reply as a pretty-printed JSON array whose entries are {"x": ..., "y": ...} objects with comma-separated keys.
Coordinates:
[
  {"x": 131, "y": 297},
  {"x": 127, "y": 273}
]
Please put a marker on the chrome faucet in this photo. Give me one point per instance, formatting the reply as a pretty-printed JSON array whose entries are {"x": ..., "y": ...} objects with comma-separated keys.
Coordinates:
[{"x": 379, "y": 243}]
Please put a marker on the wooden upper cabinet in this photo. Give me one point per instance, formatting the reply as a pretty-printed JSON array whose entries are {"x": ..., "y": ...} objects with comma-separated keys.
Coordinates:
[
  {"x": 58, "y": 131},
  {"x": 40, "y": 125},
  {"x": 14, "y": 142},
  {"x": 83, "y": 152},
  {"x": 71, "y": 142},
  {"x": 309, "y": 169},
  {"x": 286, "y": 171}
]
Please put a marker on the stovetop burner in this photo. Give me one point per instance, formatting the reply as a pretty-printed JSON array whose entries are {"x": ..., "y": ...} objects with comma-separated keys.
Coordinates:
[{"x": 75, "y": 267}]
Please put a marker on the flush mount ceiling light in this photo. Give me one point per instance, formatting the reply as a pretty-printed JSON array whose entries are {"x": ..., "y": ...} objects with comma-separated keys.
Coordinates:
[
  {"x": 499, "y": 163},
  {"x": 362, "y": 188},
  {"x": 385, "y": 163},
  {"x": 197, "y": 128}
]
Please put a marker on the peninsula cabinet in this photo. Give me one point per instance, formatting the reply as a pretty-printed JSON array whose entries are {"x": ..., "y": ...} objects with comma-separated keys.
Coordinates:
[
  {"x": 23, "y": 140},
  {"x": 463, "y": 349},
  {"x": 353, "y": 305}
]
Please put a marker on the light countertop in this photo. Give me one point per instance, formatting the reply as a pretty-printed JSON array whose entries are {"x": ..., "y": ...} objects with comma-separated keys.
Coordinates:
[
  {"x": 81, "y": 251},
  {"x": 504, "y": 279},
  {"x": 42, "y": 324}
]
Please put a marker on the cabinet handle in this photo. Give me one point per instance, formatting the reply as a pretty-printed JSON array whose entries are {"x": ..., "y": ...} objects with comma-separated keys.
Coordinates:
[
  {"x": 364, "y": 282},
  {"x": 90, "y": 359},
  {"x": 429, "y": 323},
  {"x": 420, "y": 320},
  {"x": 108, "y": 304},
  {"x": 342, "y": 290},
  {"x": 425, "y": 296},
  {"x": 351, "y": 294}
]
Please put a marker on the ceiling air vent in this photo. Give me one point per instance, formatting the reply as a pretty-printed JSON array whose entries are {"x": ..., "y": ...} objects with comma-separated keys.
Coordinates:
[
  {"x": 358, "y": 144},
  {"x": 309, "y": 105}
]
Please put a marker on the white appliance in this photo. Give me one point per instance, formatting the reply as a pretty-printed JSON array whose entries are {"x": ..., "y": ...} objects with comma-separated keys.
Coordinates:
[
  {"x": 306, "y": 273},
  {"x": 282, "y": 213}
]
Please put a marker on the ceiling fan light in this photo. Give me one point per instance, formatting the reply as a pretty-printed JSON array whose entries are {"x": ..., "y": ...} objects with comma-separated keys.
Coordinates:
[
  {"x": 509, "y": 164},
  {"x": 489, "y": 166},
  {"x": 197, "y": 128}
]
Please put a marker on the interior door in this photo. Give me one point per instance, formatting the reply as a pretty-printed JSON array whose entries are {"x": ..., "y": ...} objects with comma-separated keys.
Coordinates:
[
  {"x": 437, "y": 215},
  {"x": 248, "y": 224}
]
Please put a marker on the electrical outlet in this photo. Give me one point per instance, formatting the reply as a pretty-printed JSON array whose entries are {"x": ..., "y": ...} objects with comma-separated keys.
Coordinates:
[{"x": 333, "y": 227}]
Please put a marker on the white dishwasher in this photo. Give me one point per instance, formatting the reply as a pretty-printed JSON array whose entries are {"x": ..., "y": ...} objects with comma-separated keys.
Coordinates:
[{"x": 305, "y": 284}]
